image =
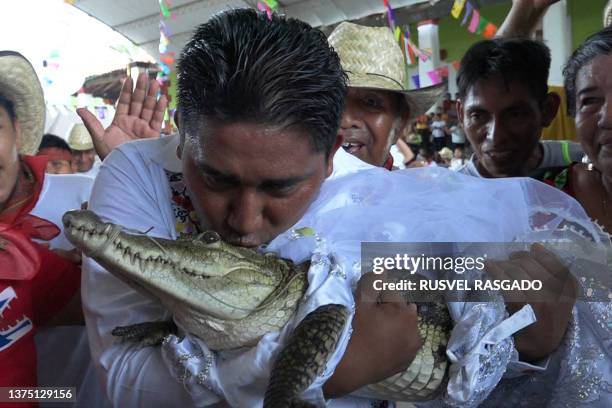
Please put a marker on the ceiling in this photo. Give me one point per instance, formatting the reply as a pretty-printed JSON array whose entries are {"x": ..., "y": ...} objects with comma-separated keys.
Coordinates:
[{"x": 138, "y": 20}]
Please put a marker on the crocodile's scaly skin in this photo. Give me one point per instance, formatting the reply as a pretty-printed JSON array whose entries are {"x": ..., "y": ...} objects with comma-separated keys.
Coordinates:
[
  {"x": 303, "y": 359},
  {"x": 230, "y": 297}
]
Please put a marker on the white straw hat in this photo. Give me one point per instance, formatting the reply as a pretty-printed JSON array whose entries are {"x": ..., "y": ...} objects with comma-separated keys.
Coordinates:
[
  {"x": 20, "y": 85},
  {"x": 79, "y": 138},
  {"x": 371, "y": 58}
]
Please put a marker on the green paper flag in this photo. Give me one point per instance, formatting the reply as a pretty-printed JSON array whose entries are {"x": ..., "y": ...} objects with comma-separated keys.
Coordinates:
[{"x": 482, "y": 25}]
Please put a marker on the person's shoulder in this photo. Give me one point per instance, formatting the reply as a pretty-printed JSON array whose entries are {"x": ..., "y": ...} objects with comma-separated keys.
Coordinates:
[
  {"x": 469, "y": 168},
  {"x": 161, "y": 151},
  {"x": 147, "y": 146}
]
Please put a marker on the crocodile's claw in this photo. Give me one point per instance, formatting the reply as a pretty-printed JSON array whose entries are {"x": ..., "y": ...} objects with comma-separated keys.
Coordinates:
[{"x": 147, "y": 334}]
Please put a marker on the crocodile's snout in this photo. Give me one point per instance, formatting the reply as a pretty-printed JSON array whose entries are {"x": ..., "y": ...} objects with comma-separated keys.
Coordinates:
[{"x": 82, "y": 225}]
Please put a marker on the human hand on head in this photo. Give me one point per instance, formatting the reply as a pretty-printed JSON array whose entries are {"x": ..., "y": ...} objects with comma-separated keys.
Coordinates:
[
  {"x": 384, "y": 342},
  {"x": 552, "y": 306},
  {"x": 139, "y": 115}
]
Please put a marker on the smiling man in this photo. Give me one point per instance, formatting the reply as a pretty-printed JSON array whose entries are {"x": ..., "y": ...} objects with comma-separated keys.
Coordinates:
[
  {"x": 504, "y": 105},
  {"x": 378, "y": 106}
]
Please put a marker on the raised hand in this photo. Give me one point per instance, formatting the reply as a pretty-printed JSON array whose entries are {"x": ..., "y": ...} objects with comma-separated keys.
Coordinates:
[
  {"x": 523, "y": 17},
  {"x": 139, "y": 115}
]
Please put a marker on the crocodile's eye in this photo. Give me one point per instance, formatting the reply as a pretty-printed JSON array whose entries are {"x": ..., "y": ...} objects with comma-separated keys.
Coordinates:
[{"x": 210, "y": 237}]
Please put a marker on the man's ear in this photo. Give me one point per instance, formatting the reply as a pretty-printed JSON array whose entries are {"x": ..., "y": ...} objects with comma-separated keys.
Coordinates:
[
  {"x": 404, "y": 120},
  {"x": 549, "y": 108},
  {"x": 18, "y": 136},
  {"x": 332, "y": 153},
  {"x": 459, "y": 107},
  {"x": 181, "y": 145}
]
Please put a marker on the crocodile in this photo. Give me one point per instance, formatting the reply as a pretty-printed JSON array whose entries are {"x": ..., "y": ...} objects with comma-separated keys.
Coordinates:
[{"x": 231, "y": 297}]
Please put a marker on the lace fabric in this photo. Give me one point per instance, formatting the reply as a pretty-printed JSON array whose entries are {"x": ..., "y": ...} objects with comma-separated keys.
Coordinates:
[{"x": 436, "y": 205}]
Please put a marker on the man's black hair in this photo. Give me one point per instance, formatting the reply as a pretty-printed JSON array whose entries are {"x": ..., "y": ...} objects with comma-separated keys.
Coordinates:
[
  {"x": 241, "y": 66},
  {"x": 514, "y": 59},
  {"x": 597, "y": 44},
  {"x": 53, "y": 141}
]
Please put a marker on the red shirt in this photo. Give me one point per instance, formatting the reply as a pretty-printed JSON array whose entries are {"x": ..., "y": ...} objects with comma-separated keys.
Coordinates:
[{"x": 35, "y": 283}]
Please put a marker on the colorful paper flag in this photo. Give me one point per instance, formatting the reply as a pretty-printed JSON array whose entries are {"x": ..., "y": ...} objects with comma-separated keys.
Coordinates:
[
  {"x": 398, "y": 34},
  {"x": 434, "y": 77},
  {"x": 475, "y": 21},
  {"x": 409, "y": 52},
  {"x": 468, "y": 11},
  {"x": 273, "y": 4},
  {"x": 443, "y": 71},
  {"x": 489, "y": 31},
  {"x": 457, "y": 8},
  {"x": 264, "y": 7},
  {"x": 165, "y": 11},
  {"x": 390, "y": 15},
  {"x": 416, "y": 80},
  {"x": 481, "y": 25}
]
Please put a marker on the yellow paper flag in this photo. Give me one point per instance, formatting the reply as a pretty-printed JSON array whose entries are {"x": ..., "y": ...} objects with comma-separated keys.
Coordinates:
[
  {"x": 457, "y": 8},
  {"x": 398, "y": 34}
]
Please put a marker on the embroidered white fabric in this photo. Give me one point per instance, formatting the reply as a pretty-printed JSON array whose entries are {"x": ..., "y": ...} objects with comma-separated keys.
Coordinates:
[{"x": 418, "y": 205}]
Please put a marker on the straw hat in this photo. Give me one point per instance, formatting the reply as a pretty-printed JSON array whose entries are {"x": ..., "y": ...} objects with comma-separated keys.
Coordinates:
[
  {"x": 20, "y": 85},
  {"x": 372, "y": 59},
  {"x": 79, "y": 138},
  {"x": 446, "y": 154}
]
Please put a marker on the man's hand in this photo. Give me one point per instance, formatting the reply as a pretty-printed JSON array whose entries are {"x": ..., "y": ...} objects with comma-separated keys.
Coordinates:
[
  {"x": 523, "y": 17},
  {"x": 139, "y": 115},
  {"x": 541, "y": 338},
  {"x": 384, "y": 342}
]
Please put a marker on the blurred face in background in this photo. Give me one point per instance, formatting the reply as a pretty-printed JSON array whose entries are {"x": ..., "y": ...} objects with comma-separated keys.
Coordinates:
[
  {"x": 59, "y": 160},
  {"x": 83, "y": 160}
]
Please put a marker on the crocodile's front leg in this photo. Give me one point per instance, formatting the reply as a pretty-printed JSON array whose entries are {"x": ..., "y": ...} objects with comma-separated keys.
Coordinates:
[
  {"x": 147, "y": 334},
  {"x": 304, "y": 357}
]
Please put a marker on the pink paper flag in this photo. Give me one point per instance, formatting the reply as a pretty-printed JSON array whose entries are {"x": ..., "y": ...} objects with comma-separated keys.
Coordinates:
[
  {"x": 475, "y": 21},
  {"x": 435, "y": 78}
]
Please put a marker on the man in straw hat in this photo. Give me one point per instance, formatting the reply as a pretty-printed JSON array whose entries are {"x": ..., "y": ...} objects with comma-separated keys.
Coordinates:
[
  {"x": 35, "y": 283},
  {"x": 378, "y": 105},
  {"x": 83, "y": 152}
]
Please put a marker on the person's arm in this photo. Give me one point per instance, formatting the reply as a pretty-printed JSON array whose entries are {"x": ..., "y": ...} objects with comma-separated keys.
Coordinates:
[
  {"x": 384, "y": 342},
  {"x": 523, "y": 17},
  {"x": 405, "y": 150},
  {"x": 126, "y": 192},
  {"x": 139, "y": 115},
  {"x": 55, "y": 286}
]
